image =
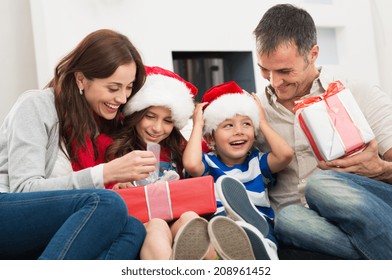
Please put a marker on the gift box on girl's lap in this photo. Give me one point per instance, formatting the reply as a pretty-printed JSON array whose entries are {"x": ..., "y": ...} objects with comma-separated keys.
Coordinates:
[
  {"x": 333, "y": 123},
  {"x": 168, "y": 200}
]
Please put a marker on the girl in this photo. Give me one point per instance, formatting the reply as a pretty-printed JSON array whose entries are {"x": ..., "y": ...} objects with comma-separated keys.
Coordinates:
[{"x": 156, "y": 114}]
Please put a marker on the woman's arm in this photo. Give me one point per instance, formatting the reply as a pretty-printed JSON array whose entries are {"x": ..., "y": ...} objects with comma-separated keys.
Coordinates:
[
  {"x": 31, "y": 142},
  {"x": 30, "y": 147}
]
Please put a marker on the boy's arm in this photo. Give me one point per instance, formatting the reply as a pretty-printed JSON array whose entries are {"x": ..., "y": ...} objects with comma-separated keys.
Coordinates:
[
  {"x": 192, "y": 157},
  {"x": 281, "y": 153}
]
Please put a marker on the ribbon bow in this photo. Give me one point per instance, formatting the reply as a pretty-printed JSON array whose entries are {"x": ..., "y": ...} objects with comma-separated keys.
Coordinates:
[{"x": 333, "y": 88}]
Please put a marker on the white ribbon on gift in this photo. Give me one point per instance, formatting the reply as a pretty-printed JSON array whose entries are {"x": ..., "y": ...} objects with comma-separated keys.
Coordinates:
[{"x": 159, "y": 201}]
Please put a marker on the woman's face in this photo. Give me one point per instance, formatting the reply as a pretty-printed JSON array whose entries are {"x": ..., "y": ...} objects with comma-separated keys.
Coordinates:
[
  {"x": 106, "y": 95},
  {"x": 156, "y": 125}
]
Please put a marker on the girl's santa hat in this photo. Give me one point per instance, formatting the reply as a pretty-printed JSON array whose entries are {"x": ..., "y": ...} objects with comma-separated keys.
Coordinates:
[
  {"x": 164, "y": 88},
  {"x": 225, "y": 101}
]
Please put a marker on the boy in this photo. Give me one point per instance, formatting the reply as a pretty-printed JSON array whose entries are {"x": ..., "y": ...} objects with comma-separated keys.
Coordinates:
[{"x": 232, "y": 120}]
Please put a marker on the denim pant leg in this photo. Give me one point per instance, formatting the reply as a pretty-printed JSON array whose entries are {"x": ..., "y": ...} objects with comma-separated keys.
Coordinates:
[
  {"x": 303, "y": 228},
  {"x": 128, "y": 243},
  {"x": 78, "y": 224},
  {"x": 359, "y": 206}
]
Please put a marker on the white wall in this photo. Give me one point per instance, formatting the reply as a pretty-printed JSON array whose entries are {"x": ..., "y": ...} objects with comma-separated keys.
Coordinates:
[
  {"x": 17, "y": 68},
  {"x": 158, "y": 27},
  {"x": 382, "y": 20}
]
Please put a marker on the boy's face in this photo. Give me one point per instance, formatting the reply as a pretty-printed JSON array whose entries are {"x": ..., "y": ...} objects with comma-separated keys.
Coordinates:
[{"x": 233, "y": 138}]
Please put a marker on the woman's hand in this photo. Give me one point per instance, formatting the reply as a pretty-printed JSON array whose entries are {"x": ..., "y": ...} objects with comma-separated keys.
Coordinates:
[
  {"x": 119, "y": 186},
  {"x": 133, "y": 166}
]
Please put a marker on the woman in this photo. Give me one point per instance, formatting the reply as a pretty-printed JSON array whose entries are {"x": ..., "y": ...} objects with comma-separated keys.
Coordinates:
[
  {"x": 46, "y": 139},
  {"x": 47, "y": 131}
]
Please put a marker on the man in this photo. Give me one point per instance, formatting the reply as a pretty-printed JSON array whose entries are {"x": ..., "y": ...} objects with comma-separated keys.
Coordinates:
[{"x": 287, "y": 50}]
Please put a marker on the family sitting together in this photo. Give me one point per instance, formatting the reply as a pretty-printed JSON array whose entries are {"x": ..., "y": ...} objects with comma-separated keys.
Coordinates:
[{"x": 64, "y": 150}]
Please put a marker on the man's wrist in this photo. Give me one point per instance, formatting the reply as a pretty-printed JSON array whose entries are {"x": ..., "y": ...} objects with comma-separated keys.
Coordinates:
[{"x": 386, "y": 172}]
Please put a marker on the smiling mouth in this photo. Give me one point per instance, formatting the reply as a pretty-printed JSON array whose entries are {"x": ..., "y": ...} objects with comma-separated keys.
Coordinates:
[
  {"x": 282, "y": 88},
  {"x": 237, "y": 143},
  {"x": 153, "y": 136},
  {"x": 111, "y": 106}
]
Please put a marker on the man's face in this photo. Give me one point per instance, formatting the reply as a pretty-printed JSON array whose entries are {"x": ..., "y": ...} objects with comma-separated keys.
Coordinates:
[{"x": 289, "y": 73}]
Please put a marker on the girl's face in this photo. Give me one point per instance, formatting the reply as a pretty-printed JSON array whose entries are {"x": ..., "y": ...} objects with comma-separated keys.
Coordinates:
[
  {"x": 233, "y": 138},
  {"x": 156, "y": 125},
  {"x": 106, "y": 95}
]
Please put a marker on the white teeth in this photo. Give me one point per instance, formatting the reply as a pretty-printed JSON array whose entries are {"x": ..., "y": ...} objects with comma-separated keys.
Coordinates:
[
  {"x": 112, "y": 106},
  {"x": 238, "y": 143}
]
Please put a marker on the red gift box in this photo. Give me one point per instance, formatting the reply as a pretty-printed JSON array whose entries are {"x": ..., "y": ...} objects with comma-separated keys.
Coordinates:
[
  {"x": 168, "y": 200},
  {"x": 333, "y": 123}
]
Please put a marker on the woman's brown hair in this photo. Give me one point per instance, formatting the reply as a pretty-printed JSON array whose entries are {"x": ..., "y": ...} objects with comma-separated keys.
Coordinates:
[{"x": 97, "y": 56}]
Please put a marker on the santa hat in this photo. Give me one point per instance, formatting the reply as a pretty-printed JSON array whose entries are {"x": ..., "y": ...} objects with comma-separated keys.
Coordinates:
[
  {"x": 225, "y": 101},
  {"x": 164, "y": 88}
]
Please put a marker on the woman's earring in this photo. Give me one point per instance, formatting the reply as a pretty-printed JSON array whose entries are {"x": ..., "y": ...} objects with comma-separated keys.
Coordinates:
[{"x": 81, "y": 91}]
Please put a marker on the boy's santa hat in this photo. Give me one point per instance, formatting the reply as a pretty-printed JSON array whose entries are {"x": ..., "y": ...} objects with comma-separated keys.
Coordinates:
[
  {"x": 225, "y": 101},
  {"x": 164, "y": 88}
]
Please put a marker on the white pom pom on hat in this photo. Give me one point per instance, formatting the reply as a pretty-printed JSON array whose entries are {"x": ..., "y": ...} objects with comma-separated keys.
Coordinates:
[
  {"x": 225, "y": 101},
  {"x": 164, "y": 88}
]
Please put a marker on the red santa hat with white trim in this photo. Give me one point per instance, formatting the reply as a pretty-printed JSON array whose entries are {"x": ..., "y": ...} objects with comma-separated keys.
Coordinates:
[
  {"x": 225, "y": 101},
  {"x": 164, "y": 88}
]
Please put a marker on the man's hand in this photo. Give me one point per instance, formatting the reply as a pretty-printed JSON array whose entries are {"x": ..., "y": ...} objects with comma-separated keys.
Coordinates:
[{"x": 366, "y": 163}]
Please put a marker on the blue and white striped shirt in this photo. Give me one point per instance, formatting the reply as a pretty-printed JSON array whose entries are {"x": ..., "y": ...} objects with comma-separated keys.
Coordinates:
[{"x": 254, "y": 173}]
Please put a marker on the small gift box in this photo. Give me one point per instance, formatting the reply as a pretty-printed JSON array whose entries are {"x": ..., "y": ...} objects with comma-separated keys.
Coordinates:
[
  {"x": 168, "y": 200},
  {"x": 333, "y": 123}
]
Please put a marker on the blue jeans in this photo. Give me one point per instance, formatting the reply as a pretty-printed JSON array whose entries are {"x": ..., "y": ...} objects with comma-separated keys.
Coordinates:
[
  {"x": 70, "y": 224},
  {"x": 349, "y": 216}
]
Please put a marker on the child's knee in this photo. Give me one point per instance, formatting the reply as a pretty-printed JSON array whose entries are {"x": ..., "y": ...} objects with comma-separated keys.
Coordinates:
[
  {"x": 157, "y": 226},
  {"x": 186, "y": 216}
]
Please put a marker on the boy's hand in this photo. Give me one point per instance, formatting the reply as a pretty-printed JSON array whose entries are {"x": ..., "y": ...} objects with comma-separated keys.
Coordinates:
[
  {"x": 261, "y": 109},
  {"x": 198, "y": 114}
]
